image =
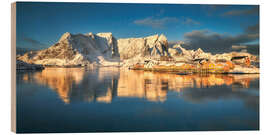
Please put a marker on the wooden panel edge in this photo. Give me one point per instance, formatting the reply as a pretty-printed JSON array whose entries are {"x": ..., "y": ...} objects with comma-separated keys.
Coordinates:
[{"x": 13, "y": 67}]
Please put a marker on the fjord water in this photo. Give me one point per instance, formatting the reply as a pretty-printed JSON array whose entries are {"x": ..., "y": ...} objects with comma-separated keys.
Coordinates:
[{"x": 113, "y": 99}]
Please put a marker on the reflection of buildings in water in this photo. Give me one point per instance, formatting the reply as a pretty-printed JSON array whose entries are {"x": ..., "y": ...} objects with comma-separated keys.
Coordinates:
[
  {"x": 243, "y": 81},
  {"x": 154, "y": 86},
  {"x": 103, "y": 84}
]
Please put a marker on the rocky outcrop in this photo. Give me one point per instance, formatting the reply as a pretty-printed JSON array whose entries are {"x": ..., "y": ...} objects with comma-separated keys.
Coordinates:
[
  {"x": 151, "y": 46},
  {"x": 131, "y": 47},
  {"x": 160, "y": 48},
  {"x": 76, "y": 50},
  {"x": 151, "y": 40},
  {"x": 189, "y": 55}
]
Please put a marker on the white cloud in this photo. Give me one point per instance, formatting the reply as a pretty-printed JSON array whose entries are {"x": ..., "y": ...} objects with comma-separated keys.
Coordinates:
[
  {"x": 155, "y": 22},
  {"x": 189, "y": 21},
  {"x": 162, "y": 22}
]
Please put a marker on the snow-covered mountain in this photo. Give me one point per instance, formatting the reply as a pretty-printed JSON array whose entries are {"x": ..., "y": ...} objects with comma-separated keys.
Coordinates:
[{"x": 101, "y": 49}]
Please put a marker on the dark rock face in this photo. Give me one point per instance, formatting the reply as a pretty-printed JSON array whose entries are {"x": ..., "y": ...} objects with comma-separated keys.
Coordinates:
[{"x": 20, "y": 65}]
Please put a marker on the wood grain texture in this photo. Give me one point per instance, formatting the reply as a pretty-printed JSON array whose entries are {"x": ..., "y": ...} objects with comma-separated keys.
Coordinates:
[{"x": 13, "y": 67}]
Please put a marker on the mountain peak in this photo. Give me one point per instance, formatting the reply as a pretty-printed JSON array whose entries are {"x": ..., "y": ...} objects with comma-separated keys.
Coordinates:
[
  {"x": 104, "y": 33},
  {"x": 65, "y": 36},
  {"x": 199, "y": 50},
  {"x": 162, "y": 37}
]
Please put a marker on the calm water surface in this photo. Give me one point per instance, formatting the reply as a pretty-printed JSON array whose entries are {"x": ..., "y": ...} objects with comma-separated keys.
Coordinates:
[{"x": 111, "y": 99}]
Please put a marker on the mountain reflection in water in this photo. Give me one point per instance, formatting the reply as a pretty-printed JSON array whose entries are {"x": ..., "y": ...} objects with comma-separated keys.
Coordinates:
[{"x": 104, "y": 84}]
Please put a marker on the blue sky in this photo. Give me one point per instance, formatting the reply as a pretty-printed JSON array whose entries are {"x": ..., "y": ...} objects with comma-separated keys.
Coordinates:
[{"x": 39, "y": 25}]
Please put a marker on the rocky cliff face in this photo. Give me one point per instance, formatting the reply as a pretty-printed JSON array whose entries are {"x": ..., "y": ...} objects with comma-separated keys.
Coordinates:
[{"x": 151, "y": 46}]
